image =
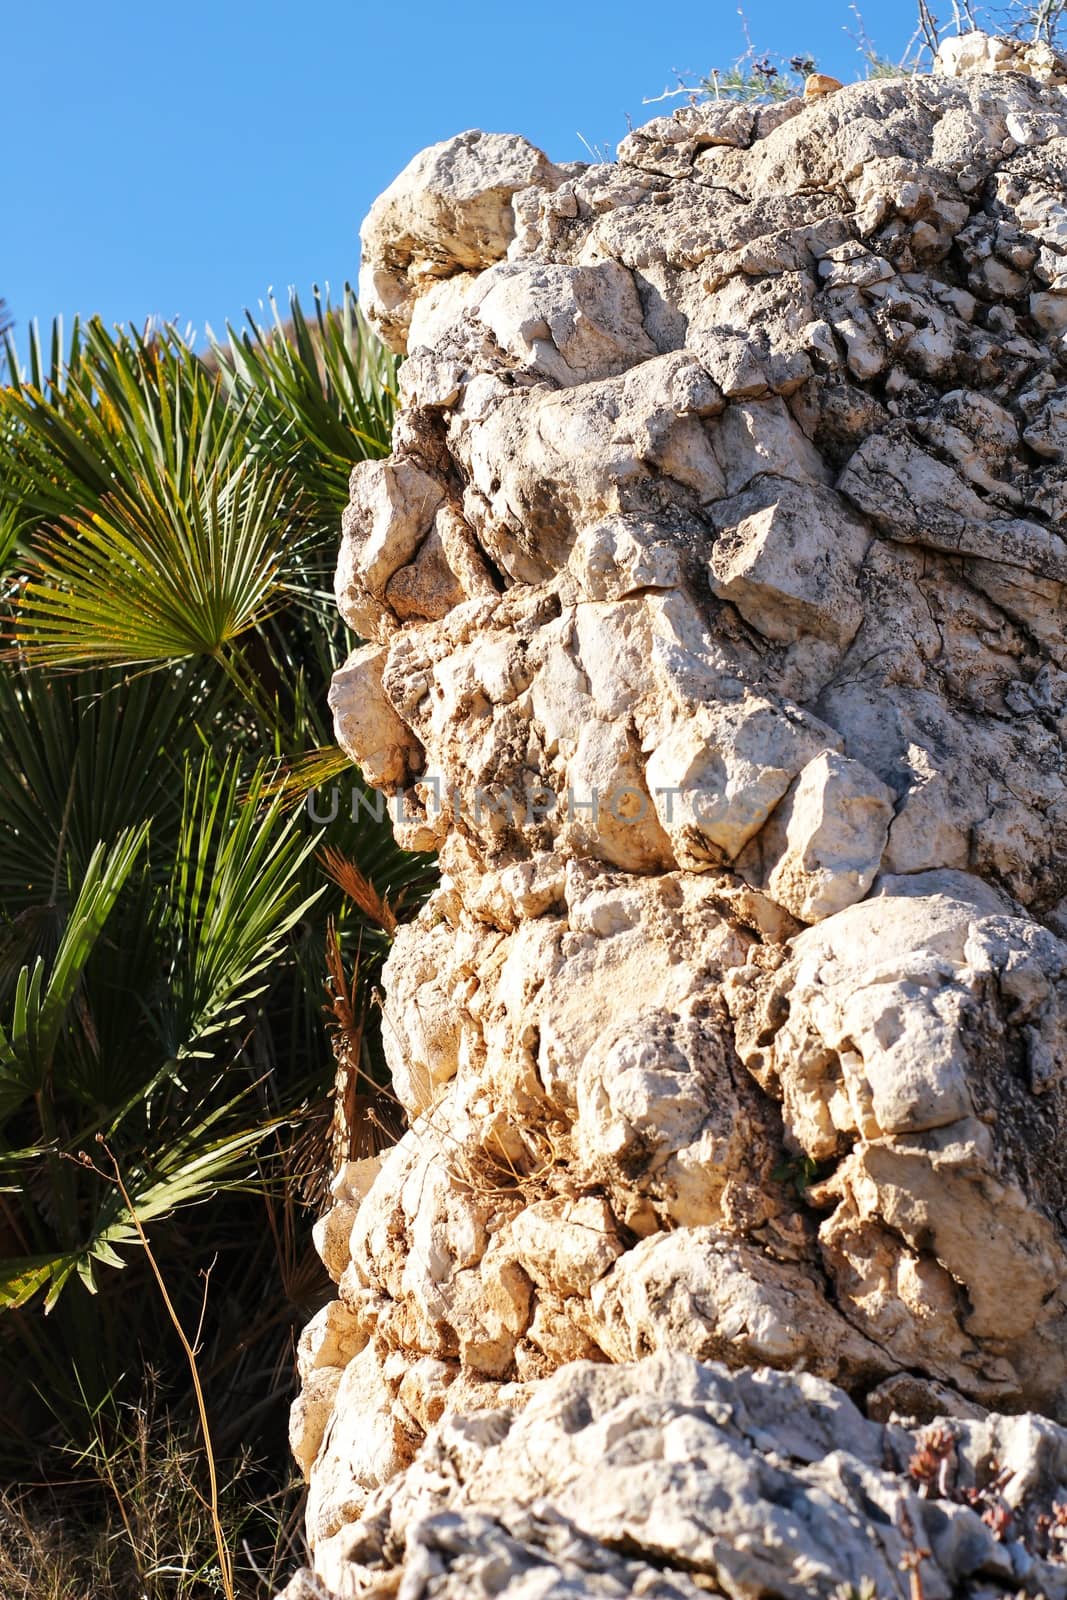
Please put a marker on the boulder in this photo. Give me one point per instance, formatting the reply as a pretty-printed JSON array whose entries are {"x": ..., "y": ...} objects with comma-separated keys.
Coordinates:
[{"x": 714, "y": 594}]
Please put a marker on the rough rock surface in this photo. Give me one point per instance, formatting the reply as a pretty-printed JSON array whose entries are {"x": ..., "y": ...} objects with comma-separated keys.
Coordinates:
[
  {"x": 714, "y": 598},
  {"x": 671, "y": 1477}
]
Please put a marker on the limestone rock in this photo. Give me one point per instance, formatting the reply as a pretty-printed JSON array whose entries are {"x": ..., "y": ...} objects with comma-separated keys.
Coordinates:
[
  {"x": 670, "y": 1477},
  {"x": 898, "y": 1031},
  {"x": 789, "y": 558},
  {"x": 827, "y": 837},
  {"x": 714, "y": 599},
  {"x": 982, "y": 52},
  {"x": 449, "y": 211},
  {"x": 816, "y": 84},
  {"x": 365, "y": 720},
  {"x": 699, "y": 1291}
]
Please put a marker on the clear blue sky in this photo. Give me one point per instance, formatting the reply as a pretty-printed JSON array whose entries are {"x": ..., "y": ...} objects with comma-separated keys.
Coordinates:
[{"x": 178, "y": 159}]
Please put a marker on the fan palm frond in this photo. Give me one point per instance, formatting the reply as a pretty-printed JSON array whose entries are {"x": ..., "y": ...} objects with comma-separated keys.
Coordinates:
[
  {"x": 232, "y": 897},
  {"x": 154, "y": 577},
  {"x": 86, "y": 755},
  {"x": 320, "y": 394},
  {"x": 161, "y": 508},
  {"x": 117, "y": 411}
]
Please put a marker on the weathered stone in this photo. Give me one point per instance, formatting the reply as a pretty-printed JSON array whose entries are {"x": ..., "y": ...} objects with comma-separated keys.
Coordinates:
[
  {"x": 717, "y": 582},
  {"x": 367, "y": 725},
  {"x": 717, "y": 777},
  {"x": 879, "y": 1034},
  {"x": 983, "y": 52},
  {"x": 1047, "y": 435},
  {"x": 390, "y": 513},
  {"x": 826, "y": 840},
  {"x": 717, "y": 1298},
  {"x": 449, "y": 211},
  {"x": 789, "y": 558},
  {"x": 916, "y": 498},
  {"x": 567, "y": 324},
  {"x": 667, "y": 1477}
]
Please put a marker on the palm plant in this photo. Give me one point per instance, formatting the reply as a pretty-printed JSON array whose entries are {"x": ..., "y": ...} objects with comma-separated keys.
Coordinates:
[
  {"x": 167, "y": 525},
  {"x": 220, "y": 916}
]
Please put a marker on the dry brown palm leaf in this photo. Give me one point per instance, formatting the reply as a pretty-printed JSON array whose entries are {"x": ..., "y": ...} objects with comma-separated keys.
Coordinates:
[
  {"x": 366, "y": 1117},
  {"x": 359, "y": 889}
]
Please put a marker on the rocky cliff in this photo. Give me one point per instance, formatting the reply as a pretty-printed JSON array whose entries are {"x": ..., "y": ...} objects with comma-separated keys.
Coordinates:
[{"x": 715, "y": 589}]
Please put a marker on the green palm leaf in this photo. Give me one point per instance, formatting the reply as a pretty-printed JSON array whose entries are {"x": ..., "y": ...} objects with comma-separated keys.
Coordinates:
[
  {"x": 20, "y": 1279},
  {"x": 161, "y": 507},
  {"x": 223, "y": 913},
  {"x": 115, "y": 410},
  {"x": 159, "y": 535},
  {"x": 87, "y": 754},
  {"x": 229, "y": 904},
  {"x": 199, "y": 1164},
  {"x": 39, "y": 1012},
  {"x": 319, "y": 394},
  {"x": 153, "y": 577}
]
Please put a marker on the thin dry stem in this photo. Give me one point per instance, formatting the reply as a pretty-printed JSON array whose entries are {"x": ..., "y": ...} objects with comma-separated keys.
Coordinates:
[{"x": 225, "y": 1562}]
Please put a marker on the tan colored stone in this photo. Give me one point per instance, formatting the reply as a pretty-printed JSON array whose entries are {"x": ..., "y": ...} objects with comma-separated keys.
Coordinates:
[
  {"x": 367, "y": 726},
  {"x": 817, "y": 84},
  {"x": 716, "y": 582},
  {"x": 448, "y": 211},
  {"x": 831, "y": 831}
]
